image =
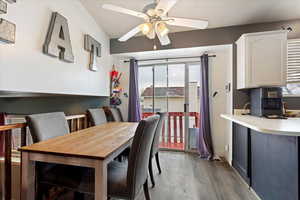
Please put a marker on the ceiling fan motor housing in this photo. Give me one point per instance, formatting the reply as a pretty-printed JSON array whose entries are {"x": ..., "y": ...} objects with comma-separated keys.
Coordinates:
[{"x": 150, "y": 9}]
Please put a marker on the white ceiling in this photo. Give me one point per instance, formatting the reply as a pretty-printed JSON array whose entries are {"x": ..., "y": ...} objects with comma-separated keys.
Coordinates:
[{"x": 219, "y": 13}]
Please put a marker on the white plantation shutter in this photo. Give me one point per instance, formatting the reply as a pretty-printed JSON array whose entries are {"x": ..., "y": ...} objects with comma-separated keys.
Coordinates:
[{"x": 293, "y": 65}]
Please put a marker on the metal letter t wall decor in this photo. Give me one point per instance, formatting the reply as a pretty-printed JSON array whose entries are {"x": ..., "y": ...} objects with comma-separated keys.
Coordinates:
[
  {"x": 7, "y": 29},
  {"x": 94, "y": 47}
]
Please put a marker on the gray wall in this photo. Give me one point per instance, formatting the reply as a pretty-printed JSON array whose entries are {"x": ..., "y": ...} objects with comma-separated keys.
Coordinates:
[
  {"x": 69, "y": 104},
  {"x": 208, "y": 37},
  {"x": 292, "y": 103}
]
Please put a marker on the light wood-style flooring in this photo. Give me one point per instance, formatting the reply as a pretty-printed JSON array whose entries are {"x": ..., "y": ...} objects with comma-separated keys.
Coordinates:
[{"x": 186, "y": 177}]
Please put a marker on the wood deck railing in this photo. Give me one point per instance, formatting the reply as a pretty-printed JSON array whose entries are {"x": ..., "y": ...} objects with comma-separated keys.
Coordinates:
[
  {"x": 172, "y": 137},
  {"x": 76, "y": 122}
]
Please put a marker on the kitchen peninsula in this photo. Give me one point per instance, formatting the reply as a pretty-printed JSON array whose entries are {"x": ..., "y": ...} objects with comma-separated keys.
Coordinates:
[{"x": 266, "y": 155}]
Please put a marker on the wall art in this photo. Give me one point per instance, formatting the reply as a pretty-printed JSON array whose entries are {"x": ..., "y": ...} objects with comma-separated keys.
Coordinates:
[
  {"x": 3, "y": 7},
  {"x": 58, "y": 42},
  {"x": 94, "y": 47},
  {"x": 7, "y": 29}
]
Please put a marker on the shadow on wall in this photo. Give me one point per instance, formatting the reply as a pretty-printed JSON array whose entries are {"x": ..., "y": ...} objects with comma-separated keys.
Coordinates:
[{"x": 69, "y": 104}]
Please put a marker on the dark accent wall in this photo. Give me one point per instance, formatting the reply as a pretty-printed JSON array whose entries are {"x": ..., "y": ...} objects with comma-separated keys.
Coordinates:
[
  {"x": 69, "y": 104},
  {"x": 292, "y": 103},
  {"x": 209, "y": 37},
  {"x": 197, "y": 38}
]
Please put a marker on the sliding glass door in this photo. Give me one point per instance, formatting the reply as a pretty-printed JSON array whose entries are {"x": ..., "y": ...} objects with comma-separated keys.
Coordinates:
[
  {"x": 172, "y": 88},
  {"x": 192, "y": 104}
]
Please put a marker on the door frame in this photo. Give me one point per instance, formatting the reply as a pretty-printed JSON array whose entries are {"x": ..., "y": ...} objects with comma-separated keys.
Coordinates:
[{"x": 186, "y": 65}]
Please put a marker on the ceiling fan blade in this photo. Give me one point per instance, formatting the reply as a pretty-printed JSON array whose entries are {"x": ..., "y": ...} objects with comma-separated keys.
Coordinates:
[
  {"x": 130, "y": 34},
  {"x": 165, "y": 6},
  {"x": 164, "y": 39},
  {"x": 124, "y": 11},
  {"x": 192, "y": 23}
]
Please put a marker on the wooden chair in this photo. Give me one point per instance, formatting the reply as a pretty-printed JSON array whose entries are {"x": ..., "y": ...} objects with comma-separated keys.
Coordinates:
[{"x": 97, "y": 116}]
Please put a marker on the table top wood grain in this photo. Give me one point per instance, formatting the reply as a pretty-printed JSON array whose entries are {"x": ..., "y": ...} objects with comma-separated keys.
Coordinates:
[{"x": 96, "y": 142}]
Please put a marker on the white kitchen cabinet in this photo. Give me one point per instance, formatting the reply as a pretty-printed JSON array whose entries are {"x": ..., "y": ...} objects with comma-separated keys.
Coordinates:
[{"x": 262, "y": 59}]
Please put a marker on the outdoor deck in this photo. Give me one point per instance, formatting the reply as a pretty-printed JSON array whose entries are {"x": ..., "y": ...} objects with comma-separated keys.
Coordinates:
[{"x": 173, "y": 136}]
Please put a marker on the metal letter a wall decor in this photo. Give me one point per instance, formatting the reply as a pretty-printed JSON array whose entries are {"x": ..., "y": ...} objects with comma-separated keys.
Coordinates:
[
  {"x": 94, "y": 47},
  {"x": 3, "y": 7},
  {"x": 58, "y": 42},
  {"x": 7, "y": 29}
]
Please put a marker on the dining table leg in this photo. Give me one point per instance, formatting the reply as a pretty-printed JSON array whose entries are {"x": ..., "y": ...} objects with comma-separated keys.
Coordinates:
[
  {"x": 27, "y": 177},
  {"x": 100, "y": 180}
]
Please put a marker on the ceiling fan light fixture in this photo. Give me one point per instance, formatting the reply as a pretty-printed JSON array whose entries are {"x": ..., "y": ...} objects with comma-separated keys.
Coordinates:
[
  {"x": 162, "y": 28},
  {"x": 146, "y": 28},
  {"x": 151, "y": 34}
]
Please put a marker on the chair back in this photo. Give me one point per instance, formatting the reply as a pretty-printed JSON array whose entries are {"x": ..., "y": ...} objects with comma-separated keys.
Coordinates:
[
  {"x": 47, "y": 125},
  {"x": 140, "y": 154},
  {"x": 158, "y": 131},
  {"x": 97, "y": 116},
  {"x": 116, "y": 114}
]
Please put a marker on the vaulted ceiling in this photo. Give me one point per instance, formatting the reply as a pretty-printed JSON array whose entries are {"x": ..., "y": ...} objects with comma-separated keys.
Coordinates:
[{"x": 219, "y": 13}]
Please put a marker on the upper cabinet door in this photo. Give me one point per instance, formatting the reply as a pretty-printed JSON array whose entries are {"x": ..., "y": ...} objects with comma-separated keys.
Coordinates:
[{"x": 262, "y": 59}]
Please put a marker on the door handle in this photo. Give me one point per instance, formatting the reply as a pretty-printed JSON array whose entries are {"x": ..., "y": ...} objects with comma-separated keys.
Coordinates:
[{"x": 186, "y": 107}]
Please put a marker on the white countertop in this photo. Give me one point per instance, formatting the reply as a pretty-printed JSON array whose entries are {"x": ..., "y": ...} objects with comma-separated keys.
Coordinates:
[{"x": 289, "y": 127}]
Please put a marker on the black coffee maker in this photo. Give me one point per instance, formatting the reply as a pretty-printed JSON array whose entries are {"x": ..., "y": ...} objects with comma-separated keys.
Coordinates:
[{"x": 267, "y": 102}]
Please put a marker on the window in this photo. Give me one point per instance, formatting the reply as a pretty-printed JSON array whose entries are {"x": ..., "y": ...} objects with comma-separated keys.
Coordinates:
[{"x": 293, "y": 69}]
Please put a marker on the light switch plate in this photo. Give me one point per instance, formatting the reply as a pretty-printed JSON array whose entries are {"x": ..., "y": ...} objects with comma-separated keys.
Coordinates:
[
  {"x": 7, "y": 31},
  {"x": 3, "y": 7}
]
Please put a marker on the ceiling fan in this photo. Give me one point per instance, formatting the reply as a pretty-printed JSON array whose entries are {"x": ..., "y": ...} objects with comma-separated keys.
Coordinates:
[{"x": 156, "y": 20}]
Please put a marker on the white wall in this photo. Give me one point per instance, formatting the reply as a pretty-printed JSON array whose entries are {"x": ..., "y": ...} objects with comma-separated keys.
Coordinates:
[
  {"x": 220, "y": 70},
  {"x": 25, "y": 68}
]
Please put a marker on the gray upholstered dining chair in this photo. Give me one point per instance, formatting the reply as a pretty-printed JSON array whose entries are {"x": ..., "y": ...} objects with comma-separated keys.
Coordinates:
[
  {"x": 97, "y": 116},
  {"x": 47, "y": 125},
  {"x": 43, "y": 127},
  {"x": 125, "y": 180},
  {"x": 116, "y": 114},
  {"x": 155, "y": 147}
]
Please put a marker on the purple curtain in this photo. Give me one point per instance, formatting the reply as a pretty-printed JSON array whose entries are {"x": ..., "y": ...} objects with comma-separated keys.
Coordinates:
[
  {"x": 134, "y": 108},
  {"x": 205, "y": 145}
]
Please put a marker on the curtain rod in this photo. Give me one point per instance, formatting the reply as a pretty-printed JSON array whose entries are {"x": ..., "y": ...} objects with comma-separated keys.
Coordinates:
[{"x": 210, "y": 56}]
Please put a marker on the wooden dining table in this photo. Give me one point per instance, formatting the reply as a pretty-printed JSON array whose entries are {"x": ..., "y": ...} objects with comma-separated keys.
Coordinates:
[{"x": 93, "y": 147}]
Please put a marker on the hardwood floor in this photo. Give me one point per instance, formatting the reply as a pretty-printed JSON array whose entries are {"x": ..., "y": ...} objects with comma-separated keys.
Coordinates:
[{"x": 186, "y": 177}]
